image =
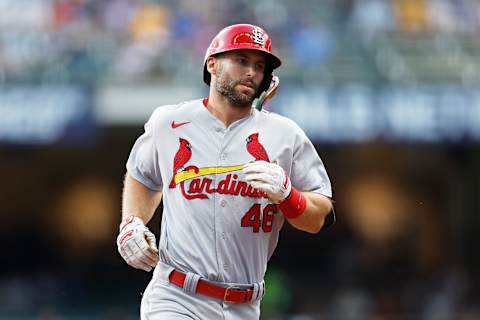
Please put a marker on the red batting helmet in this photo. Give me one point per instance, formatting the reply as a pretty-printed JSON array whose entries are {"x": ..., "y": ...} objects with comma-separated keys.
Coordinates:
[{"x": 243, "y": 36}]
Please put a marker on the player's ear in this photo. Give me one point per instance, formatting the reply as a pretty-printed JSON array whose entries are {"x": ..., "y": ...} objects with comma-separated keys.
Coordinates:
[{"x": 212, "y": 65}]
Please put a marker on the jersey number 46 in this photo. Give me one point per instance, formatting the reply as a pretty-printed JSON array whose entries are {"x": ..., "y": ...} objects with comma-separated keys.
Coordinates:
[{"x": 256, "y": 218}]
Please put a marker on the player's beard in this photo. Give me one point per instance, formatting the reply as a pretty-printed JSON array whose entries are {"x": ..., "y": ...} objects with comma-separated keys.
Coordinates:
[{"x": 225, "y": 85}]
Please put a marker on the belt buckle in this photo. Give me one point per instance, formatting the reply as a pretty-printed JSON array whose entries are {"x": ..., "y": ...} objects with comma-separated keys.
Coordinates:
[{"x": 228, "y": 292}]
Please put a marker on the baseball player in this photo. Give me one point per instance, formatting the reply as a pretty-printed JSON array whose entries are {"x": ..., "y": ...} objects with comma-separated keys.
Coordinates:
[{"x": 229, "y": 175}]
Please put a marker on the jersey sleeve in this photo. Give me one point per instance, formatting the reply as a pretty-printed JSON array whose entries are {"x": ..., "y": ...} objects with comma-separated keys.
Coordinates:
[
  {"x": 308, "y": 172},
  {"x": 143, "y": 163}
]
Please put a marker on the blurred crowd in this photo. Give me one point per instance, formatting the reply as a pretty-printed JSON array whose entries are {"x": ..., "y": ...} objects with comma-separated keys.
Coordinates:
[{"x": 130, "y": 40}]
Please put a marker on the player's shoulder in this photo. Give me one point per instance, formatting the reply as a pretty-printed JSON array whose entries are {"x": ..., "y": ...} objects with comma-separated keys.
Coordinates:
[
  {"x": 167, "y": 113},
  {"x": 276, "y": 120}
]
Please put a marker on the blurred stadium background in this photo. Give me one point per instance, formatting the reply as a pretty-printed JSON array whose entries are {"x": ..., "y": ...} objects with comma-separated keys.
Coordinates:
[{"x": 388, "y": 90}]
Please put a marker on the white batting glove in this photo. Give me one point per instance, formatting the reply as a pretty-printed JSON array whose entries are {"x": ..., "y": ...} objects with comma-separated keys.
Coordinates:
[
  {"x": 136, "y": 244},
  {"x": 269, "y": 178}
]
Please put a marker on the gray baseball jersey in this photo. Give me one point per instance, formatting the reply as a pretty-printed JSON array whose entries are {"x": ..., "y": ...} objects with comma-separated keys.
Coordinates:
[{"x": 214, "y": 224}]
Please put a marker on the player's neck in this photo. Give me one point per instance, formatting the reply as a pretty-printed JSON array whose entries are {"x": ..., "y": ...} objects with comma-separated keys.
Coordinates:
[{"x": 225, "y": 112}]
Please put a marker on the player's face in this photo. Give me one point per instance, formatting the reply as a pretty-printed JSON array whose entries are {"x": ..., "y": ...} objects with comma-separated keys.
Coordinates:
[{"x": 239, "y": 74}]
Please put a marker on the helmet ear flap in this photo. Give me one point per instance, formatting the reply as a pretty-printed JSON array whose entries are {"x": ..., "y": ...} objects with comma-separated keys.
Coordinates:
[{"x": 265, "y": 82}]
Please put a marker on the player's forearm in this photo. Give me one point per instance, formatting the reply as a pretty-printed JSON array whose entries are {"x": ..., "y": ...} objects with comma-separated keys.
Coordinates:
[
  {"x": 313, "y": 218},
  {"x": 139, "y": 200}
]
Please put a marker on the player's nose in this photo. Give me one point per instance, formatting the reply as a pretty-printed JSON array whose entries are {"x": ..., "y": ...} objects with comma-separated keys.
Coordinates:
[{"x": 251, "y": 71}]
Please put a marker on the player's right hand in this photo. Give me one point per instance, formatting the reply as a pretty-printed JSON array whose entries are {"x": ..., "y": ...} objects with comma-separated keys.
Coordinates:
[{"x": 136, "y": 244}]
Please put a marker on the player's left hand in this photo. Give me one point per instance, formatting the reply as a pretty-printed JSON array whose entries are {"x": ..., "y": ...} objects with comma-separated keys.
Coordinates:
[{"x": 269, "y": 178}]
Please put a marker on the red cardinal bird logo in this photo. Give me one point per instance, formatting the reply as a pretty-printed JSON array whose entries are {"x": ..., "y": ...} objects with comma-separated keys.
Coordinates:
[
  {"x": 255, "y": 148},
  {"x": 182, "y": 156}
]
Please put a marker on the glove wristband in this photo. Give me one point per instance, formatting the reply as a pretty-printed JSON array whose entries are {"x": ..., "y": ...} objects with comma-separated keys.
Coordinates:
[
  {"x": 294, "y": 205},
  {"x": 129, "y": 220}
]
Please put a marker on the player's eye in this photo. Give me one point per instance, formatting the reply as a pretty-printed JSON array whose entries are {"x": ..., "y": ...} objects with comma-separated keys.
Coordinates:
[
  {"x": 242, "y": 61},
  {"x": 259, "y": 66}
]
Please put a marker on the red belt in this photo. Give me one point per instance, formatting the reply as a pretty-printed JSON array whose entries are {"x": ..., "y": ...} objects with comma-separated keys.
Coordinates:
[{"x": 229, "y": 294}]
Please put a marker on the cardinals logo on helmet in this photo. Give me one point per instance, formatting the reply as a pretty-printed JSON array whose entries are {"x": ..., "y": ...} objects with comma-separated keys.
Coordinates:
[{"x": 257, "y": 36}]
